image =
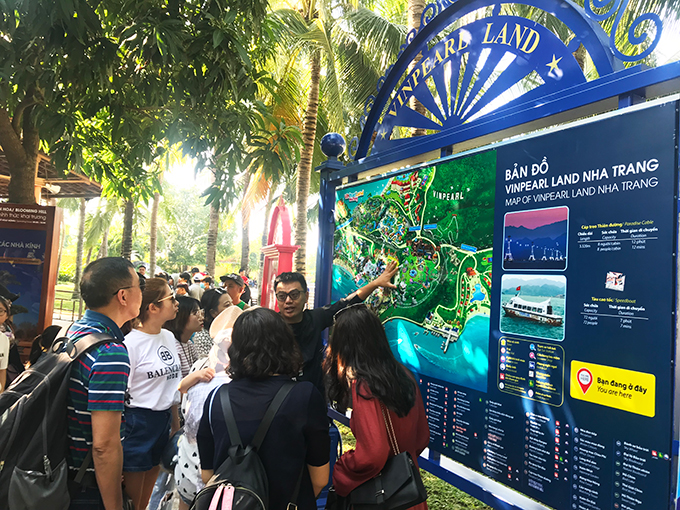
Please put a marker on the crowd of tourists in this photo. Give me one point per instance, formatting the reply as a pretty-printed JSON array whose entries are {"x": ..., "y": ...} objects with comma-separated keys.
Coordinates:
[{"x": 191, "y": 372}]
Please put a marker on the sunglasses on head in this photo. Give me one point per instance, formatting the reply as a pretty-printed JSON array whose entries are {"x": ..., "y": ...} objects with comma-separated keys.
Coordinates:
[
  {"x": 171, "y": 297},
  {"x": 355, "y": 305}
]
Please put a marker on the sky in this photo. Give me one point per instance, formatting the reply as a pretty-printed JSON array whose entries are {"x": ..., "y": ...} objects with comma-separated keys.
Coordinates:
[{"x": 534, "y": 219}]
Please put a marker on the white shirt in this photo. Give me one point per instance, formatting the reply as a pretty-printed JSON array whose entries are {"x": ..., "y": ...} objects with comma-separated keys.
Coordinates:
[
  {"x": 155, "y": 370},
  {"x": 4, "y": 351},
  {"x": 192, "y": 404}
]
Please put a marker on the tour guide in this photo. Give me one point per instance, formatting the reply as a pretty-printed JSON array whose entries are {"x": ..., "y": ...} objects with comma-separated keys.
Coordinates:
[{"x": 308, "y": 325}]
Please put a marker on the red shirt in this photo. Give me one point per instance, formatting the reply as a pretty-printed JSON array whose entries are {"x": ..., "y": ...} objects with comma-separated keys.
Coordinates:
[{"x": 372, "y": 448}]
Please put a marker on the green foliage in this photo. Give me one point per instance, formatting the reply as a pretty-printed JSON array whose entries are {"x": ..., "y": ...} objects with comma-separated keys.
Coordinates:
[
  {"x": 105, "y": 83},
  {"x": 183, "y": 230},
  {"x": 67, "y": 273}
]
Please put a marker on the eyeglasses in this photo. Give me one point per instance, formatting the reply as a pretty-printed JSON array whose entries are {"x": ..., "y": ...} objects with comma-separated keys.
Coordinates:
[
  {"x": 169, "y": 296},
  {"x": 4, "y": 312},
  {"x": 142, "y": 284},
  {"x": 199, "y": 313},
  {"x": 293, "y": 294}
]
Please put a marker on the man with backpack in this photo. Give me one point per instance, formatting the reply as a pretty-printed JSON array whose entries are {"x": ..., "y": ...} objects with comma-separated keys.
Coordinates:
[{"x": 112, "y": 291}]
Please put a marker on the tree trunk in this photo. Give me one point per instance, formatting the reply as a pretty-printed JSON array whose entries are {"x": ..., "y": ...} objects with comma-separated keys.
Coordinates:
[
  {"x": 104, "y": 248},
  {"x": 126, "y": 245},
  {"x": 21, "y": 152},
  {"x": 153, "y": 234},
  {"x": 62, "y": 236},
  {"x": 89, "y": 257},
  {"x": 415, "y": 11},
  {"x": 580, "y": 56},
  {"x": 305, "y": 166},
  {"x": 245, "y": 229},
  {"x": 245, "y": 245},
  {"x": 213, "y": 229},
  {"x": 265, "y": 235},
  {"x": 79, "y": 249}
]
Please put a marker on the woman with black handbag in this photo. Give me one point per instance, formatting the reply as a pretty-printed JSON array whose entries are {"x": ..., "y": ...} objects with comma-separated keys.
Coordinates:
[{"x": 388, "y": 416}]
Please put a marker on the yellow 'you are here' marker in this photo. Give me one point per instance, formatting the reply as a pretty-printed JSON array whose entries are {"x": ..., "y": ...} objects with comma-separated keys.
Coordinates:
[{"x": 627, "y": 390}]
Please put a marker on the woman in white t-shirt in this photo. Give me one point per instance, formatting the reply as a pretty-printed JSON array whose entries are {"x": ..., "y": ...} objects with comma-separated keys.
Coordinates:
[{"x": 152, "y": 396}]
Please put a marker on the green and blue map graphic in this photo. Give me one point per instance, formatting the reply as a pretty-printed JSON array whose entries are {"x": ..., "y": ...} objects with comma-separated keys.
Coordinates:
[{"x": 437, "y": 222}]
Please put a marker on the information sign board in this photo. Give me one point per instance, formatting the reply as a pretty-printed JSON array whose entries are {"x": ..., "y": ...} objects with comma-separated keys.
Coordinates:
[
  {"x": 28, "y": 267},
  {"x": 536, "y": 303}
]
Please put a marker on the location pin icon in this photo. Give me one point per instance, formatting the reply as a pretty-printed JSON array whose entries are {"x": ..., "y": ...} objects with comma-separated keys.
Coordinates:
[{"x": 585, "y": 379}]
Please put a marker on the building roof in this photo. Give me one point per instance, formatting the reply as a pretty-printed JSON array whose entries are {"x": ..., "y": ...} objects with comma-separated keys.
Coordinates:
[{"x": 72, "y": 185}]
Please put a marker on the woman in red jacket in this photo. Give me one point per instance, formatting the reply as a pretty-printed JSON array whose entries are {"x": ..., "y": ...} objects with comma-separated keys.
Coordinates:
[{"x": 364, "y": 374}]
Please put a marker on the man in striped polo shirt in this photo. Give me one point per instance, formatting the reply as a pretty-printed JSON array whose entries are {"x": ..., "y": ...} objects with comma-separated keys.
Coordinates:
[{"x": 111, "y": 290}]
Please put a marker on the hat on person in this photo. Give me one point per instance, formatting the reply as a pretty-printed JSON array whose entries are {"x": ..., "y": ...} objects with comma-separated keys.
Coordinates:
[
  {"x": 221, "y": 330},
  {"x": 198, "y": 277},
  {"x": 234, "y": 277},
  {"x": 224, "y": 320}
]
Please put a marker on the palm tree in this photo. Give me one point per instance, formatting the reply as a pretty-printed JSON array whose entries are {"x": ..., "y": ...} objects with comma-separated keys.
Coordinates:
[
  {"x": 79, "y": 249},
  {"x": 308, "y": 29},
  {"x": 172, "y": 156},
  {"x": 97, "y": 227},
  {"x": 245, "y": 228},
  {"x": 128, "y": 221},
  {"x": 153, "y": 232},
  {"x": 415, "y": 11},
  {"x": 213, "y": 229},
  {"x": 340, "y": 69},
  {"x": 273, "y": 151},
  {"x": 67, "y": 204}
]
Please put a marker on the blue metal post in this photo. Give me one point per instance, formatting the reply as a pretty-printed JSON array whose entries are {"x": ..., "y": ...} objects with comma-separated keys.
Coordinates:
[
  {"x": 324, "y": 255},
  {"x": 332, "y": 145}
]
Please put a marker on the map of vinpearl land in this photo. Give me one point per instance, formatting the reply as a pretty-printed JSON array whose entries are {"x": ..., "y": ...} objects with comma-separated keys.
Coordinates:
[{"x": 437, "y": 222}]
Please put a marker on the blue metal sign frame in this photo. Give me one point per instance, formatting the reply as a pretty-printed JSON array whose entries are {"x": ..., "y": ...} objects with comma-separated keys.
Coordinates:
[{"x": 463, "y": 80}]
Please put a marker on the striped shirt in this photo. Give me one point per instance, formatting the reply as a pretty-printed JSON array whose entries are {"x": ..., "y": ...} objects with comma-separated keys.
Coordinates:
[
  {"x": 98, "y": 382},
  {"x": 187, "y": 356}
]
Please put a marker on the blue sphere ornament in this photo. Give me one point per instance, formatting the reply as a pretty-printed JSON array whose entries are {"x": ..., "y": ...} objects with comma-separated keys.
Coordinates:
[{"x": 333, "y": 144}]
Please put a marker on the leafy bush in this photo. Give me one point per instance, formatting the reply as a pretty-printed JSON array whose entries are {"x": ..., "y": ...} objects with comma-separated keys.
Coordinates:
[{"x": 67, "y": 273}]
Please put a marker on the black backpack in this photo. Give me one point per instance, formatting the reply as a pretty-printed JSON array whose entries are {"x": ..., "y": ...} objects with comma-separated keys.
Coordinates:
[
  {"x": 240, "y": 483},
  {"x": 34, "y": 425}
]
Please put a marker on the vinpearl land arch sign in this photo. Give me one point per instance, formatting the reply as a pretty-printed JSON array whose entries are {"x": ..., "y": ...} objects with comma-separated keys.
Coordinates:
[{"x": 536, "y": 285}]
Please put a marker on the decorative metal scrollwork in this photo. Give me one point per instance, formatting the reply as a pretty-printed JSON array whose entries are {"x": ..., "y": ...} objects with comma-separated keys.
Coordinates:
[
  {"x": 618, "y": 7},
  {"x": 353, "y": 146},
  {"x": 379, "y": 85},
  {"x": 429, "y": 13},
  {"x": 411, "y": 35},
  {"x": 510, "y": 49},
  {"x": 368, "y": 104},
  {"x": 443, "y": 4}
]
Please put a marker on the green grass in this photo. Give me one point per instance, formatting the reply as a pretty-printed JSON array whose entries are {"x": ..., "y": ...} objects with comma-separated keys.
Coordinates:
[{"x": 440, "y": 495}]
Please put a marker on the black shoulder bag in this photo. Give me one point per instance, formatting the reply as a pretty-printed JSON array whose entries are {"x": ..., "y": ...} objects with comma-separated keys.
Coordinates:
[{"x": 397, "y": 487}]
